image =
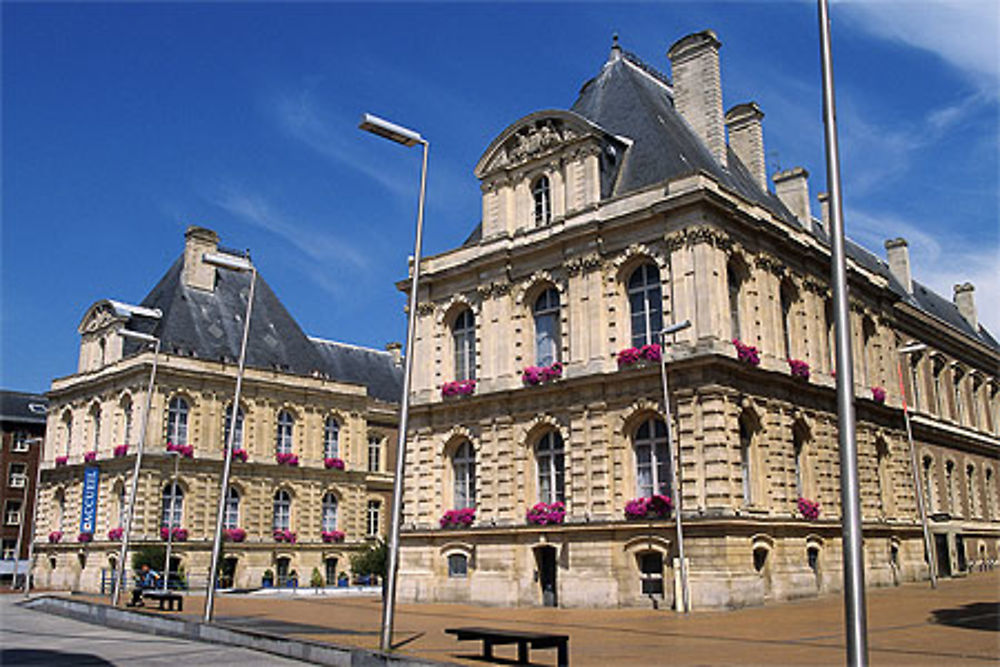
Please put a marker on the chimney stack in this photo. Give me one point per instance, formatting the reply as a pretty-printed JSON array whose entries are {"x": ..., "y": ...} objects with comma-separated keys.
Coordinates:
[
  {"x": 396, "y": 350},
  {"x": 898, "y": 251},
  {"x": 196, "y": 273},
  {"x": 824, "y": 209},
  {"x": 792, "y": 188},
  {"x": 965, "y": 299},
  {"x": 746, "y": 138},
  {"x": 694, "y": 62}
]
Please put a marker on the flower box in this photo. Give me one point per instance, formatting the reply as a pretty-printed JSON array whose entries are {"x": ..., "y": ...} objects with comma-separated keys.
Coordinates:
[
  {"x": 746, "y": 353},
  {"x": 62, "y": 460},
  {"x": 799, "y": 368},
  {"x": 85, "y": 538},
  {"x": 533, "y": 375},
  {"x": 90, "y": 457},
  {"x": 543, "y": 514},
  {"x": 657, "y": 506},
  {"x": 286, "y": 459},
  {"x": 808, "y": 509},
  {"x": 458, "y": 388},
  {"x": 240, "y": 454},
  {"x": 234, "y": 534},
  {"x": 116, "y": 534},
  {"x": 633, "y": 355},
  {"x": 120, "y": 451},
  {"x": 284, "y": 536},
  {"x": 334, "y": 463},
  {"x": 187, "y": 451},
  {"x": 332, "y": 536},
  {"x": 878, "y": 395},
  {"x": 55, "y": 537},
  {"x": 462, "y": 518},
  {"x": 178, "y": 534}
]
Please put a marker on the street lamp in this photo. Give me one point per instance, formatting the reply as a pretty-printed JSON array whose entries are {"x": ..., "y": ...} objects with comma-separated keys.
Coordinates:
[
  {"x": 401, "y": 135},
  {"x": 34, "y": 513},
  {"x": 116, "y": 586},
  {"x": 675, "y": 460},
  {"x": 241, "y": 264},
  {"x": 914, "y": 467},
  {"x": 170, "y": 518}
]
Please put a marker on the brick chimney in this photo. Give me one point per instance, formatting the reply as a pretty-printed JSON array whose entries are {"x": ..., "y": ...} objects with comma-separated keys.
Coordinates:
[
  {"x": 196, "y": 273},
  {"x": 824, "y": 209},
  {"x": 965, "y": 299},
  {"x": 746, "y": 138},
  {"x": 694, "y": 62},
  {"x": 792, "y": 188},
  {"x": 898, "y": 252}
]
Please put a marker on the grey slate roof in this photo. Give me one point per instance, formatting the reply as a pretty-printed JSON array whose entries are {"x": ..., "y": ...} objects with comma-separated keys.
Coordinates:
[
  {"x": 23, "y": 408},
  {"x": 376, "y": 369},
  {"x": 209, "y": 325}
]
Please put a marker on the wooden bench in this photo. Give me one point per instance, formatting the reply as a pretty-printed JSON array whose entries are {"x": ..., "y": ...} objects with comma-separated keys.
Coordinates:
[
  {"x": 492, "y": 637},
  {"x": 165, "y": 599}
]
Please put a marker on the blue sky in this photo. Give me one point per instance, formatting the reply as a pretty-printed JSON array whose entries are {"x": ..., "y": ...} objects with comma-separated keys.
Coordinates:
[{"x": 125, "y": 123}]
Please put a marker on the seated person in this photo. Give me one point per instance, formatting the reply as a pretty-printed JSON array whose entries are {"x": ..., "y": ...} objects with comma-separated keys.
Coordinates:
[{"x": 145, "y": 580}]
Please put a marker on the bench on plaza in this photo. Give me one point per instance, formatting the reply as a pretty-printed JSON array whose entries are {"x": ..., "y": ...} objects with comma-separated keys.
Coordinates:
[
  {"x": 493, "y": 637},
  {"x": 166, "y": 599}
]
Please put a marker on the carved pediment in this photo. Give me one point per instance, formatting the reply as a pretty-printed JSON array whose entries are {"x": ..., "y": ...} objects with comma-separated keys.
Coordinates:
[
  {"x": 99, "y": 316},
  {"x": 533, "y": 137}
]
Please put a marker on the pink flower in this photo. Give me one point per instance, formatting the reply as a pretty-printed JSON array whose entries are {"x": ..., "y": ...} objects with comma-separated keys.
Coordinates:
[
  {"x": 85, "y": 537},
  {"x": 543, "y": 514},
  {"x": 333, "y": 462},
  {"x": 808, "y": 509},
  {"x": 55, "y": 537},
  {"x": 120, "y": 451},
  {"x": 61, "y": 461},
  {"x": 332, "y": 536},
  {"x": 282, "y": 535},
  {"x": 234, "y": 534},
  {"x": 533, "y": 375},
  {"x": 656, "y": 506},
  {"x": 462, "y": 518},
  {"x": 651, "y": 352},
  {"x": 187, "y": 451},
  {"x": 240, "y": 454},
  {"x": 628, "y": 356},
  {"x": 176, "y": 534},
  {"x": 115, "y": 534},
  {"x": 799, "y": 369},
  {"x": 458, "y": 388},
  {"x": 878, "y": 394},
  {"x": 287, "y": 458},
  {"x": 746, "y": 353},
  {"x": 90, "y": 457}
]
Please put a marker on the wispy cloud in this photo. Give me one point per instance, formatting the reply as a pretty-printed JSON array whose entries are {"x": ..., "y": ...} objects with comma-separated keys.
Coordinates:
[{"x": 936, "y": 264}]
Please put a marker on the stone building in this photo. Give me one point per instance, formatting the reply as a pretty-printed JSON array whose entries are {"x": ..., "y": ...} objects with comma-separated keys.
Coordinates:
[
  {"x": 22, "y": 426},
  {"x": 537, "y": 377},
  {"x": 315, "y": 435}
]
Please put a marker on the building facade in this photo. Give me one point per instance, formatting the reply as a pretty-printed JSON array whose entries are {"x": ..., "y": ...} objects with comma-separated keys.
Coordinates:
[
  {"x": 22, "y": 425},
  {"x": 538, "y": 457},
  {"x": 314, "y": 436}
]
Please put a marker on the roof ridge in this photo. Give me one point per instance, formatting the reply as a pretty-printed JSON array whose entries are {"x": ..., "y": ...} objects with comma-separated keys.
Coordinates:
[
  {"x": 327, "y": 341},
  {"x": 635, "y": 60}
]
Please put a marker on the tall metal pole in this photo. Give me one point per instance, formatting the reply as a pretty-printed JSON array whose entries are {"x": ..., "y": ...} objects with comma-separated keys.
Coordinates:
[
  {"x": 675, "y": 462},
  {"x": 227, "y": 457},
  {"x": 34, "y": 520},
  {"x": 855, "y": 615},
  {"x": 134, "y": 486},
  {"x": 170, "y": 520},
  {"x": 915, "y": 471},
  {"x": 389, "y": 603}
]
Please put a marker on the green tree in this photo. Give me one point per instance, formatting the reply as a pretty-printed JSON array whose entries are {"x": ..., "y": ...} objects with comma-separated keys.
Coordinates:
[
  {"x": 372, "y": 560},
  {"x": 316, "y": 580},
  {"x": 153, "y": 555}
]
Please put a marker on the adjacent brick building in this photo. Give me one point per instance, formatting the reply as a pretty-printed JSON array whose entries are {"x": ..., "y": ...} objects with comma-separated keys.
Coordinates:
[{"x": 22, "y": 423}]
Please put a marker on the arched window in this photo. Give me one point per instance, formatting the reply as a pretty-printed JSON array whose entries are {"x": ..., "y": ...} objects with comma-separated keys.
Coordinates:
[
  {"x": 126, "y": 420},
  {"x": 868, "y": 352},
  {"x": 549, "y": 456},
  {"x": 172, "y": 506},
  {"x": 463, "y": 336},
  {"x": 938, "y": 400},
  {"x": 882, "y": 472},
  {"x": 652, "y": 462},
  {"x": 60, "y": 510},
  {"x": 328, "y": 520},
  {"x": 799, "y": 456},
  {"x": 68, "y": 426},
  {"x": 928, "y": 463},
  {"x": 95, "y": 422},
  {"x": 286, "y": 424},
  {"x": 121, "y": 497},
  {"x": 831, "y": 333},
  {"x": 546, "y": 312},
  {"x": 787, "y": 298},
  {"x": 949, "y": 485},
  {"x": 957, "y": 394},
  {"x": 746, "y": 463},
  {"x": 970, "y": 490},
  {"x": 177, "y": 421},
  {"x": 231, "y": 518},
  {"x": 645, "y": 301},
  {"x": 463, "y": 464},
  {"x": 975, "y": 397},
  {"x": 733, "y": 285},
  {"x": 991, "y": 493},
  {"x": 331, "y": 438},
  {"x": 915, "y": 380},
  {"x": 282, "y": 510},
  {"x": 543, "y": 200},
  {"x": 238, "y": 435},
  {"x": 651, "y": 572}
]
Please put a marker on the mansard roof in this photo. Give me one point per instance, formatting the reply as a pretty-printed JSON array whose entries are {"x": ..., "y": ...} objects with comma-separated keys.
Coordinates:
[
  {"x": 23, "y": 408},
  {"x": 209, "y": 325}
]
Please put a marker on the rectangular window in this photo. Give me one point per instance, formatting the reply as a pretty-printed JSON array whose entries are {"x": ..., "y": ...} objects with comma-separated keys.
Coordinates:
[
  {"x": 20, "y": 442},
  {"x": 12, "y": 513},
  {"x": 458, "y": 566},
  {"x": 651, "y": 571},
  {"x": 374, "y": 510},
  {"x": 8, "y": 549},
  {"x": 374, "y": 454},
  {"x": 18, "y": 478}
]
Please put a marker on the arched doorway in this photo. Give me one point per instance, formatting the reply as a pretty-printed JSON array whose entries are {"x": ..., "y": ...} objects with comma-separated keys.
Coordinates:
[
  {"x": 545, "y": 558},
  {"x": 330, "y": 565},
  {"x": 227, "y": 573}
]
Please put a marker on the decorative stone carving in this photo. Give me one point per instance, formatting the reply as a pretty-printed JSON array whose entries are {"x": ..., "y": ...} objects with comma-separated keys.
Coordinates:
[
  {"x": 690, "y": 236},
  {"x": 577, "y": 265},
  {"x": 770, "y": 264},
  {"x": 425, "y": 308},
  {"x": 101, "y": 318},
  {"x": 493, "y": 289}
]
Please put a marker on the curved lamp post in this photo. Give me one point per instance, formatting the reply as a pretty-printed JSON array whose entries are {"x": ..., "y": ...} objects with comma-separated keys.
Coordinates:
[
  {"x": 241, "y": 264},
  {"x": 401, "y": 135}
]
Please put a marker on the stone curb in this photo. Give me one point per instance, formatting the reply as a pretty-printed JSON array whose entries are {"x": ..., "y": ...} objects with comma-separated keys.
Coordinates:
[{"x": 298, "y": 649}]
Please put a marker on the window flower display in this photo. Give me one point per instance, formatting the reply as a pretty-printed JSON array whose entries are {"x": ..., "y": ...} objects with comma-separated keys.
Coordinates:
[
  {"x": 746, "y": 353},
  {"x": 547, "y": 514},
  {"x": 55, "y": 537},
  {"x": 533, "y": 375},
  {"x": 115, "y": 534},
  {"x": 332, "y": 536},
  {"x": 458, "y": 388},
  {"x": 240, "y": 454},
  {"x": 654, "y": 507},
  {"x": 633, "y": 355},
  {"x": 187, "y": 451},
  {"x": 90, "y": 457},
  {"x": 62, "y": 460},
  {"x": 234, "y": 534},
  {"x": 120, "y": 451},
  {"x": 799, "y": 368},
  {"x": 283, "y": 535},
  {"x": 334, "y": 463},
  {"x": 287, "y": 459},
  {"x": 878, "y": 394},
  {"x": 178, "y": 534},
  {"x": 85, "y": 538},
  {"x": 462, "y": 518},
  {"x": 808, "y": 509}
]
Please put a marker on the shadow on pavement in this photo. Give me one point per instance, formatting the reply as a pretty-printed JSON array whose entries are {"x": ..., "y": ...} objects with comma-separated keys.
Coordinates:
[
  {"x": 975, "y": 616},
  {"x": 25, "y": 656}
]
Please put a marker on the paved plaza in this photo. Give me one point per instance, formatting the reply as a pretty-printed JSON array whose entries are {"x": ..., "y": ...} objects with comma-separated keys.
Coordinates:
[{"x": 957, "y": 624}]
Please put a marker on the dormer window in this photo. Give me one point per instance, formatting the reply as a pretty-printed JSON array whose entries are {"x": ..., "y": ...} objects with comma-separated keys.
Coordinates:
[{"x": 543, "y": 201}]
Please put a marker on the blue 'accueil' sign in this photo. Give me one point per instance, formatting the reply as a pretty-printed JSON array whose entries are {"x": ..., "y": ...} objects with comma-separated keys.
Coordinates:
[{"x": 88, "y": 512}]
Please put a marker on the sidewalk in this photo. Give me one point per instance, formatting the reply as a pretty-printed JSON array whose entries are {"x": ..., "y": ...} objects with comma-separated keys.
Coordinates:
[{"x": 958, "y": 624}]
